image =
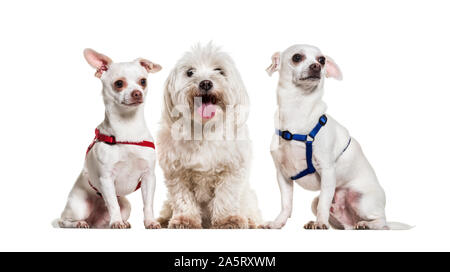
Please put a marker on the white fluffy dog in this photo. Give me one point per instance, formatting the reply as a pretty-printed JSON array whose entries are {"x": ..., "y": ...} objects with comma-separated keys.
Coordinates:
[
  {"x": 350, "y": 195},
  {"x": 203, "y": 146}
]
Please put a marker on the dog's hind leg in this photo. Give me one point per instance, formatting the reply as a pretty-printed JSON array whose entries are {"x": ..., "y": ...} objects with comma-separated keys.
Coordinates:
[
  {"x": 369, "y": 207},
  {"x": 366, "y": 198},
  {"x": 165, "y": 215},
  {"x": 78, "y": 208}
]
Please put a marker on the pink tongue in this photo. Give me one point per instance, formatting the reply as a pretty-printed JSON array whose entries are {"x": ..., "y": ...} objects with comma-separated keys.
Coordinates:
[{"x": 207, "y": 111}]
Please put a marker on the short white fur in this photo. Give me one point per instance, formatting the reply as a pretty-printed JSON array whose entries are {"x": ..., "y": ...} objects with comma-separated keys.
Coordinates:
[
  {"x": 350, "y": 194},
  {"x": 115, "y": 170}
]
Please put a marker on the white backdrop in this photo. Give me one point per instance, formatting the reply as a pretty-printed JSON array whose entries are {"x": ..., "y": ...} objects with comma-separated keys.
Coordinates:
[{"x": 393, "y": 99}]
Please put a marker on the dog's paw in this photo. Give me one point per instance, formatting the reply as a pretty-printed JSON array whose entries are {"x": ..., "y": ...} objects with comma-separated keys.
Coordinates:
[
  {"x": 252, "y": 224},
  {"x": 184, "y": 222},
  {"x": 82, "y": 225},
  {"x": 231, "y": 222},
  {"x": 152, "y": 224},
  {"x": 164, "y": 222},
  {"x": 272, "y": 225},
  {"x": 315, "y": 226},
  {"x": 362, "y": 225},
  {"x": 120, "y": 225}
]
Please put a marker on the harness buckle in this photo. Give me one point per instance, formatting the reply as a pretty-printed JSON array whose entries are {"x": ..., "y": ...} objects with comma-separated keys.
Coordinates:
[
  {"x": 112, "y": 142},
  {"x": 286, "y": 135},
  {"x": 323, "y": 120}
]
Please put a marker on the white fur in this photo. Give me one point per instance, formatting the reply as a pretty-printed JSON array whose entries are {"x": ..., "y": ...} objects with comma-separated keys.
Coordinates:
[
  {"x": 346, "y": 181},
  {"x": 115, "y": 170},
  {"x": 207, "y": 178}
]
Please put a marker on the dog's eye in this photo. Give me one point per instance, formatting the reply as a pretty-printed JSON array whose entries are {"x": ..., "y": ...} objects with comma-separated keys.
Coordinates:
[
  {"x": 297, "y": 58},
  {"x": 189, "y": 73},
  {"x": 118, "y": 84},
  {"x": 143, "y": 82},
  {"x": 321, "y": 60},
  {"x": 220, "y": 71}
]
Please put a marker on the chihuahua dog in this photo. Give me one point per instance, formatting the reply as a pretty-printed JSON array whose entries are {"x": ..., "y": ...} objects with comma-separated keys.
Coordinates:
[
  {"x": 350, "y": 195},
  {"x": 122, "y": 157}
]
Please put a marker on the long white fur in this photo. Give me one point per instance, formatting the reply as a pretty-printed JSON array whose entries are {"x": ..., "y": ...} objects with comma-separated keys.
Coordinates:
[
  {"x": 115, "y": 170},
  {"x": 207, "y": 179},
  {"x": 300, "y": 106}
]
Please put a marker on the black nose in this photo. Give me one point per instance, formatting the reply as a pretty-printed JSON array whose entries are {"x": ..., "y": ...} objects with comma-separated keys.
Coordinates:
[
  {"x": 315, "y": 67},
  {"x": 205, "y": 85}
]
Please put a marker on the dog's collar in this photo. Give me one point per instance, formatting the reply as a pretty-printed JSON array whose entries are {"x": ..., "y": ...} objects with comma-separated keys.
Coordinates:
[{"x": 111, "y": 140}]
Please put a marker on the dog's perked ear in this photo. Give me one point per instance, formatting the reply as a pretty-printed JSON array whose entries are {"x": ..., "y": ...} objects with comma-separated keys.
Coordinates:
[
  {"x": 332, "y": 70},
  {"x": 275, "y": 66},
  {"x": 97, "y": 60},
  {"x": 149, "y": 66}
]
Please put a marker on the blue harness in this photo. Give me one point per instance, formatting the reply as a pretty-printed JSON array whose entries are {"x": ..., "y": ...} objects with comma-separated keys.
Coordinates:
[{"x": 304, "y": 138}]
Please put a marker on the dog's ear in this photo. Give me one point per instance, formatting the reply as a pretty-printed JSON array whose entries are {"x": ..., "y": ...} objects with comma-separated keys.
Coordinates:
[
  {"x": 275, "y": 66},
  {"x": 332, "y": 69},
  {"x": 149, "y": 66},
  {"x": 97, "y": 60},
  {"x": 168, "y": 103}
]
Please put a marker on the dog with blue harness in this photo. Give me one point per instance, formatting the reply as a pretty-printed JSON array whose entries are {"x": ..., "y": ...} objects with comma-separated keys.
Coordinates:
[
  {"x": 313, "y": 150},
  {"x": 308, "y": 139}
]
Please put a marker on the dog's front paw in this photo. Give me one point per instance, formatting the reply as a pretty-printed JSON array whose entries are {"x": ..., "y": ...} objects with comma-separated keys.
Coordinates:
[
  {"x": 231, "y": 222},
  {"x": 316, "y": 226},
  {"x": 273, "y": 225},
  {"x": 362, "y": 225},
  {"x": 152, "y": 224},
  {"x": 184, "y": 222},
  {"x": 120, "y": 225},
  {"x": 82, "y": 225}
]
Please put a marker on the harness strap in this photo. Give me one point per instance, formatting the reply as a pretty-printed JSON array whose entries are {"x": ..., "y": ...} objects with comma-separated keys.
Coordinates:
[
  {"x": 111, "y": 140},
  {"x": 288, "y": 136},
  {"x": 348, "y": 144},
  {"x": 309, "y": 164},
  {"x": 100, "y": 194},
  {"x": 309, "y": 150},
  {"x": 322, "y": 121}
]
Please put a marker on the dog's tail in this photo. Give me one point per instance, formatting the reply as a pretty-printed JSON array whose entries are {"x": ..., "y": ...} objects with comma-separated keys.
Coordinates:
[
  {"x": 398, "y": 226},
  {"x": 55, "y": 223}
]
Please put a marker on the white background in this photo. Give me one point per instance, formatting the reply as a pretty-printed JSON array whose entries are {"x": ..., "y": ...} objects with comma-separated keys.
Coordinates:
[{"x": 393, "y": 99}]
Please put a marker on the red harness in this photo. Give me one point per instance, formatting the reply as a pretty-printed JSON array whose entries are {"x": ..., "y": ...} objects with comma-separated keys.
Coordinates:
[{"x": 111, "y": 140}]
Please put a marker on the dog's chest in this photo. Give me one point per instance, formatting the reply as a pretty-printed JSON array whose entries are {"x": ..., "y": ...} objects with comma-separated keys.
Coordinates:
[
  {"x": 203, "y": 166},
  {"x": 203, "y": 184},
  {"x": 129, "y": 171},
  {"x": 290, "y": 158}
]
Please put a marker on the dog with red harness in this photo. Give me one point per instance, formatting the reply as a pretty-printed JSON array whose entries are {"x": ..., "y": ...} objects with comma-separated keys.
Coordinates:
[{"x": 121, "y": 159}]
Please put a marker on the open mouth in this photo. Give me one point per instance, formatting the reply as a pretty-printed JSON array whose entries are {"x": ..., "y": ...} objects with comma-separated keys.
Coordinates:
[{"x": 207, "y": 108}]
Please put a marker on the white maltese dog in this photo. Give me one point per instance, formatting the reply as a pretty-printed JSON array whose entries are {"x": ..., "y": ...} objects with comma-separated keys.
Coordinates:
[{"x": 203, "y": 145}]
